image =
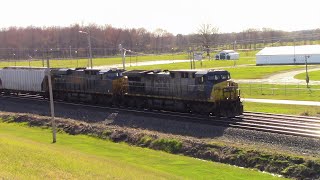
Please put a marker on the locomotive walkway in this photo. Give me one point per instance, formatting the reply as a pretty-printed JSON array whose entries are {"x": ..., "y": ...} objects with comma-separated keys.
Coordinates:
[{"x": 273, "y": 101}]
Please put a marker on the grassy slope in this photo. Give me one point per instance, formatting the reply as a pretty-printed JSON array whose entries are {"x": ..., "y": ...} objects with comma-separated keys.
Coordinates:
[
  {"x": 282, "y": 109},
  {"x": 26, "y": 153},
  {"x": 313, "y": 75}
]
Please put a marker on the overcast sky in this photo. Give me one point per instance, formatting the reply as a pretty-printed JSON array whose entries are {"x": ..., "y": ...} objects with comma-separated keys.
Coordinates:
[{"x": 176, "y": 16}]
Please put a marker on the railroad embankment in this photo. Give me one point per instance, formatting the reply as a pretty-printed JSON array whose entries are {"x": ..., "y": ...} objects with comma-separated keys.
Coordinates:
[{"x": 286, "y": 163}]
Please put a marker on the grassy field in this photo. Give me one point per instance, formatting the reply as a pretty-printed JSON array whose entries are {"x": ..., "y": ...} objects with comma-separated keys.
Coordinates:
[
  {"x": 244, "y": 68},
  {"x": 199, "y": 65},
  {"x": 27, "y": 153},
  {"x": 248, "y": 71},
  {"x": 64, "y": 63},
  {"x": 272, "y": 91},
  {"x": 313, "y": 75},
  {"x": 282, "y": 109},
  {"x": 258, "y": 72}
]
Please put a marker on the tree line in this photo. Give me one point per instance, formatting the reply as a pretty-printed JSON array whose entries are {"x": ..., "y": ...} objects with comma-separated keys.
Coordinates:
[{"x": 67, "y": 42}]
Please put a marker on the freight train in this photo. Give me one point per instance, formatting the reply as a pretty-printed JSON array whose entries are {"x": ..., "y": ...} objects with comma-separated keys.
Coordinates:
[{"x": 194, "y": 91}]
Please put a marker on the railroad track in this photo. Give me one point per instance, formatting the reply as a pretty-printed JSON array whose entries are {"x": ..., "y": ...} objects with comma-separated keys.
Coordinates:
[{"x": 302, "y": 126}]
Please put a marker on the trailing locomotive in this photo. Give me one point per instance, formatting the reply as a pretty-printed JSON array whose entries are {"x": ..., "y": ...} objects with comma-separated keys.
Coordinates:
[{"x": 195, "y": 91}]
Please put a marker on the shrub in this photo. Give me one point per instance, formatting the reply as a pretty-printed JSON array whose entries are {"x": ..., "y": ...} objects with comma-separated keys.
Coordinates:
[
  {"x": 167, "y": 145},
  {"x": 299, "y": 170},
  {"x": 106, "y": 133},
  {"x": 305, "y": 113},
  {"x": 145, "y": 140}
]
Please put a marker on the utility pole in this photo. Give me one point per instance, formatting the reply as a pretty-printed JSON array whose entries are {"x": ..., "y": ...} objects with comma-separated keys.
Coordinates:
[
  {"x": 89, "y": 42},
  {"x": 53, "y": 123},
  {"x": 123, "y": 54},
  {"x": 234, "y": 48},
  {"x": 294, "y": 50},
  {"x": 190, "y": 54},
  {"x": 90, "y": 51},
  {"x": 193, "y": 62},
  {"x": 307, "y": 75},
  {"x": 70, "y": 52}
]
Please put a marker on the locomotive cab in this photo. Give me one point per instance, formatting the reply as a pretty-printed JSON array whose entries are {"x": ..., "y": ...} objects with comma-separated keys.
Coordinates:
[{"x": 225, "y": 93}]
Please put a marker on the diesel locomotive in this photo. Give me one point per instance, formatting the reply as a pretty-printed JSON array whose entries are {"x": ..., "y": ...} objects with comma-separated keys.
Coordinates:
[{"x": 195, "y": 91}]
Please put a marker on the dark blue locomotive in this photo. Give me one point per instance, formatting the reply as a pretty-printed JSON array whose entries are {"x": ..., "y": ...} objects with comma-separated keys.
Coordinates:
[{"x": 197, "y": 91}]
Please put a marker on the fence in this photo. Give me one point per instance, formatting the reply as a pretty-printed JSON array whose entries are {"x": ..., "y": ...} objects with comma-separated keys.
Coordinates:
[{"x": 281, "y": 91}]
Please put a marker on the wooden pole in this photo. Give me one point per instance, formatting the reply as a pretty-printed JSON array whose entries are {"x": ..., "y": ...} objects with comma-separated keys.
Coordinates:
[{"x": 53, "y": 123}]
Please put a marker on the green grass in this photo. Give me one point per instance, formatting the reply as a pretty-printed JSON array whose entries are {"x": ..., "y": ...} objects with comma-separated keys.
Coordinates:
[
  {"x": 313, "y": 75},
  {"x": 258, "y": 72},
  {"x": 248, "y": 71},
  {"x": 205, "y": 64},
  {"x": 282, "y": 109},
  {"x": 273, "y": 91},
  {"x": 27, "y": 153},
  {"x": 68, "y": 63}
]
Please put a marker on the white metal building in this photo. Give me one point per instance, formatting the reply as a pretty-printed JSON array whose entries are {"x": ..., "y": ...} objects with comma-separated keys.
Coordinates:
[
  {"x": 227, "y": 54},
  {"x": 289, "y": 55}
]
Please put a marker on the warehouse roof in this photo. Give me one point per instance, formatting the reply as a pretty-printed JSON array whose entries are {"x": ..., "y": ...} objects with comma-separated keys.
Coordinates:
[{"x": 289, "y": 50}]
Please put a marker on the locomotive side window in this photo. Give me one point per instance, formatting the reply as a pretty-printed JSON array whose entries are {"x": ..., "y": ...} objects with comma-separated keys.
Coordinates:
[
  {"x": 193, "y": 75},
  {"x": 172, "y": 75},
  {"x": 113, "y": 75},
  {"x": 184, "y": 75}
]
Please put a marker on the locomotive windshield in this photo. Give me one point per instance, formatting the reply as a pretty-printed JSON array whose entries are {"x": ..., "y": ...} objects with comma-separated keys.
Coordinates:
[{"x": 219, "y": 76}]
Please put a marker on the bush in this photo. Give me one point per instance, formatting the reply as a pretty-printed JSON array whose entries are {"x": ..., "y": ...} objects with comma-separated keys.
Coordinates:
[
  {"x": 300, "y": 171},
  {"x": 167, "y": 145},
  {"x": 145, "y": 140},
  {"x": 106, "y": 133}
]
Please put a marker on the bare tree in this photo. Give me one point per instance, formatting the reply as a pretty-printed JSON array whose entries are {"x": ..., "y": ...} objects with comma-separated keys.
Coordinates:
[{"x": 208, "y": 35}]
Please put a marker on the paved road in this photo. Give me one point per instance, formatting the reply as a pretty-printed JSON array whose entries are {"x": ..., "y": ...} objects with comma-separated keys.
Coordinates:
[{"x": 273, "y": 101}]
